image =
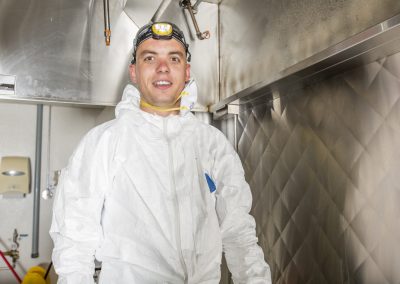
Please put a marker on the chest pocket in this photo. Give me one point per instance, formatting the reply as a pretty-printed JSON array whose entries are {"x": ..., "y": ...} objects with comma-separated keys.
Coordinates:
[
  {"x": 207, "y": 184},
  {"x": 209, "y": 237}
]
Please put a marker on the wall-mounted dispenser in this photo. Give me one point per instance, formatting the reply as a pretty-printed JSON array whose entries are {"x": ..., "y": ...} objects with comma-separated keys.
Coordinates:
[{"x": 14, "y": 175}]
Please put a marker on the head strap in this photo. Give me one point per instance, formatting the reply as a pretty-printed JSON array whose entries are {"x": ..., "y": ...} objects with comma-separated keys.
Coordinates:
[{"x": 159, "y": 31}]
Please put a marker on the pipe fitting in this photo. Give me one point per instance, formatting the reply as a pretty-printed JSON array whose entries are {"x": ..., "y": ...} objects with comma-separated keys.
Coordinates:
[
  {"x": 185, "y": 4},
  {"x": 14, "y": 254}
]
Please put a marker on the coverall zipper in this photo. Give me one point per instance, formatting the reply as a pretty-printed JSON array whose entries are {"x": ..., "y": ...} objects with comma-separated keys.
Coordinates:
[{"x": 177, "y": 209}]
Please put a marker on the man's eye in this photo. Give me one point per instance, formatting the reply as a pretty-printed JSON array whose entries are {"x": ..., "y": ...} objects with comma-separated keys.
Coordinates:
[
  {"x": 175, "y": 59},
  {"x": 149, "y": 58}
]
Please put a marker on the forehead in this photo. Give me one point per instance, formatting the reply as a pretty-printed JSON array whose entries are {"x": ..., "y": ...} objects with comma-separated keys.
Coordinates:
[{"x": 161, "y": 46}]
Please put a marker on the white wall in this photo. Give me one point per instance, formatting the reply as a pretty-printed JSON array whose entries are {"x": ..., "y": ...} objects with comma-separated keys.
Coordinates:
[{"x": 17, "y": 137}]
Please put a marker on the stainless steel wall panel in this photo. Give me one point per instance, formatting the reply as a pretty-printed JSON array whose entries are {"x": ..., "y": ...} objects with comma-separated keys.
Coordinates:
[
  {"x": 261, "y": 39},
  {"x": 322, "y": 162},
  {"x": 57, "y": 50},
  {"x": 141, "y": 12}
]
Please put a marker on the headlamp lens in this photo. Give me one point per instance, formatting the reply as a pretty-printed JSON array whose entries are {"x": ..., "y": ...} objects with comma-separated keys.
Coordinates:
[{"x": 162, "y": 29}]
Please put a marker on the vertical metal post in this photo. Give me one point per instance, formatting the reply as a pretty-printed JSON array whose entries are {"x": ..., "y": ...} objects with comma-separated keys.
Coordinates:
[
  {"x": 36, "y": 189},
  {"x": 235, "y": 138}
]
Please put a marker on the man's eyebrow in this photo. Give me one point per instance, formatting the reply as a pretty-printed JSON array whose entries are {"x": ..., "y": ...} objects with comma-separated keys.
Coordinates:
[
  {"x": 152, "y": 52},
  {"x": 180, "y": 53},
  {"x": 146, "y": 51}
]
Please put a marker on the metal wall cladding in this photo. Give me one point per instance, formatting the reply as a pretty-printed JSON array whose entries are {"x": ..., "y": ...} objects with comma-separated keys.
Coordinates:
[
  {"x": 323, "y": 163},
  {"x": 57, "y": 49},
  {"x": 260, "y": 39},
  {"x": 140, "y": 11}
]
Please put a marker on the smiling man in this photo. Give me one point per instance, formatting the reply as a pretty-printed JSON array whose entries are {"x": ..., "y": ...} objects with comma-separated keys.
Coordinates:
[
  {"x": 160, "y": 73},
  {"x": 159, "y": 68},
  {"x": 155, "y": 194}
]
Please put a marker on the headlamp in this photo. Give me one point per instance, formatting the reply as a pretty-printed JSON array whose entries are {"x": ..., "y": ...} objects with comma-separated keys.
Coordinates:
[
  {"x": 159, "y": 31},
  {"x": 162, "y": 29}
]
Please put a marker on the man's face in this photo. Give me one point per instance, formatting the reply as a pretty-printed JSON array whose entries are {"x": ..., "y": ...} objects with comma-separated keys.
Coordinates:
[{"x": 160, "y": 71}]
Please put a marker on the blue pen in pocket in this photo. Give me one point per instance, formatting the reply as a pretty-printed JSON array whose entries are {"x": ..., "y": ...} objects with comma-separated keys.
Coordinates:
[{"x": 210, "y": 183}]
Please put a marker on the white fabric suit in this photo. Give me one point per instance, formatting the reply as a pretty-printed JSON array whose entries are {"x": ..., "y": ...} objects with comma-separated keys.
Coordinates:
[{"x": 136, "y": 197}]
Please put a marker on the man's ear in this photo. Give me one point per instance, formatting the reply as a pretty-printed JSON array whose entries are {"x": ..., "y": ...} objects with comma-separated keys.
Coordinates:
[
  {"x": 187, "y": 75},
  {"x": 132, "y": 73}
]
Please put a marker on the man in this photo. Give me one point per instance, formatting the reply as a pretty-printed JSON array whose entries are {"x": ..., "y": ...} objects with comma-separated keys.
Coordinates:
[{"x": 155, "y": 194}]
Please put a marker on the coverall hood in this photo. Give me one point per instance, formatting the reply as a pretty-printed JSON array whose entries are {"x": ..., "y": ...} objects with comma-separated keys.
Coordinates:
[{"x": 131, "y": 98}]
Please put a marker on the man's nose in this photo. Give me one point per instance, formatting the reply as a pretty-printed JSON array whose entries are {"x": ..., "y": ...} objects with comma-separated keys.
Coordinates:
[{"x": 163, "y": 66}]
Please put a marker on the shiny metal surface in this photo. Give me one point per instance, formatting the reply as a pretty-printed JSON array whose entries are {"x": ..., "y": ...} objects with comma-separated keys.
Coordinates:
[
  {"x": 376, "y": 42},
  {"x": 186, "y": 4},
  {"x": 204, "y": 64},
  {"x": 141, "y": 12},
  {"x": 323, "y": 164},
  {"x": 260, "y": 39},
  {"x": 56, "y": 50}
]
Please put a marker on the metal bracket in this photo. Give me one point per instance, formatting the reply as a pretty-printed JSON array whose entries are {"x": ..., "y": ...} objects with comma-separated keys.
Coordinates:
[
  {"x": 7, "y": 84},
  {"x": 187, "y": 5},
  {"x": 226, "y": 112}
]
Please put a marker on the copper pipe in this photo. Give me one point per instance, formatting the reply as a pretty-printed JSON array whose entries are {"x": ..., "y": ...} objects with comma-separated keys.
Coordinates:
[{"x": 107, "y": 26}]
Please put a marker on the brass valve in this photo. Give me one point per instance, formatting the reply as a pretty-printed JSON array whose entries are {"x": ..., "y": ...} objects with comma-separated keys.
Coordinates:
[{"x": 14, "y": 254}]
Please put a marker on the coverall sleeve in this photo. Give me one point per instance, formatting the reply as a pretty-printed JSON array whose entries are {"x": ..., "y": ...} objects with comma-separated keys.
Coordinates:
[
  {"x": 76, "y": 225},
  {"x": 244, "y": 257}
]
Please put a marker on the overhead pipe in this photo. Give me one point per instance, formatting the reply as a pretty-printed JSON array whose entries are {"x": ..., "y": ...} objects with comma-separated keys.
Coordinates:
[
  {"x": 36, "y": 190},
  {"x": 187, "y": 5},
  {"x": 107, "y": 26}
]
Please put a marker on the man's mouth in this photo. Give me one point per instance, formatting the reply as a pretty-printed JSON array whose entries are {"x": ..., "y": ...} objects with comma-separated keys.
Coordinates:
[{"x": 162, "y": 84}]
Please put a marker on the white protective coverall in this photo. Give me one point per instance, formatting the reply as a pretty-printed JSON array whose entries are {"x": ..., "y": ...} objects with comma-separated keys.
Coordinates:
[{"x": 135, "y": 196}]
